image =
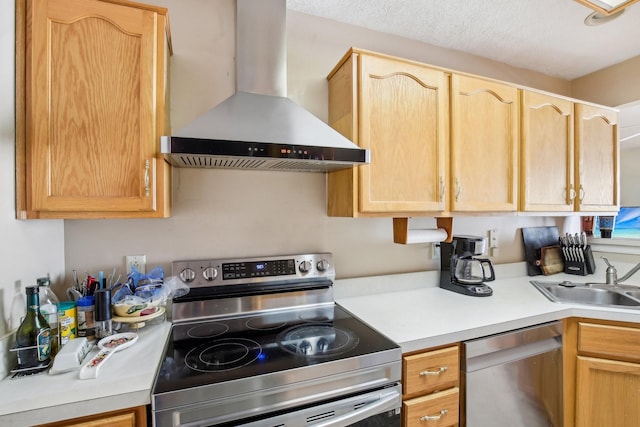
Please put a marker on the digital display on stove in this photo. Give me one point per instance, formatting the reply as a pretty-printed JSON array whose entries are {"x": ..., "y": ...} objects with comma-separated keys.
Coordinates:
[{"x": 243, "y": 270}]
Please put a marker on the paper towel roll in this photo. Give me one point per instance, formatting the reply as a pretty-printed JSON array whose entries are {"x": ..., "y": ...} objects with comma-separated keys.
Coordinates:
[{"x": 432, "y": 235}]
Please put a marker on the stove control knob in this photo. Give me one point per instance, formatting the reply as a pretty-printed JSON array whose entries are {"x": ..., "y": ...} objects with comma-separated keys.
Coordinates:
[
  {"x": 323, "y": 265},
  {"x": 209, "y": 274},
  {"x": 187, "y": 275},
  {"x": 305, "y": 266}
]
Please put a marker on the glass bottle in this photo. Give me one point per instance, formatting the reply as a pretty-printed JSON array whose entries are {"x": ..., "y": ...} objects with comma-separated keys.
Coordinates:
[
  {"x": 49, "y": 304},
  {"x": 33, "y": 336}
]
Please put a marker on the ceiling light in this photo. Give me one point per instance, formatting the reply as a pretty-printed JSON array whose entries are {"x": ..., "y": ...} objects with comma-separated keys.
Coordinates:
[
  {"x": 607, "y": 7},
  {"x": 597, "y": 18}
]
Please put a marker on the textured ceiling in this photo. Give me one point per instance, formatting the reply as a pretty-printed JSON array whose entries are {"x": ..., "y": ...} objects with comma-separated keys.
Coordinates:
[{"x": 548, "y": 36}]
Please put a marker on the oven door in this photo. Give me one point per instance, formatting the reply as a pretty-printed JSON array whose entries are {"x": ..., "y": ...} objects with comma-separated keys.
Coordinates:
[{"x": 380, "y": 408}]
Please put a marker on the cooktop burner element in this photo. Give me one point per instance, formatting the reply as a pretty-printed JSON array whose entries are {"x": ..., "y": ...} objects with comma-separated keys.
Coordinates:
[
  {"x": 207, "y": 330},
  {"x": 223, "y": 354},
  {"x": 263, "y": 324},
  {"x": 317, "y": 340}
]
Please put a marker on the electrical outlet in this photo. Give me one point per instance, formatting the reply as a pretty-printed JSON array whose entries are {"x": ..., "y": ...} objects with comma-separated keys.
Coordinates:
[
  {"x": 435, "y": 251},
  {"x": 493, "y": 239},
  {"x": 137, "y": 261}
]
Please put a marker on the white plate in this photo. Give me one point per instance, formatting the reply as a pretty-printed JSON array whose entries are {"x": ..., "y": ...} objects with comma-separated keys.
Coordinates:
[{"x": 122, "y": 341}]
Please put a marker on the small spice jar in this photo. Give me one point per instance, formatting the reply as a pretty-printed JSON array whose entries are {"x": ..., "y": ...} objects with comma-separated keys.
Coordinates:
[
  {"x": 67, "y": 321},
  {"x": 86, "y": 319}
]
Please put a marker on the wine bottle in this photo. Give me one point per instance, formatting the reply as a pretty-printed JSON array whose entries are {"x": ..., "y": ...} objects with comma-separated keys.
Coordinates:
[{"x": 33, "y": 338}]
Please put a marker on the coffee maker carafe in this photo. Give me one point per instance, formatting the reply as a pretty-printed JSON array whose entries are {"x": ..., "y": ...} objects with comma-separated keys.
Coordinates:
[{"x": 461, "y": 271}]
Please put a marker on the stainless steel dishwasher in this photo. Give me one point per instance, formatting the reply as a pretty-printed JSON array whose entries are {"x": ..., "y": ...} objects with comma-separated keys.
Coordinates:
[{"x": 514, "y": 379}]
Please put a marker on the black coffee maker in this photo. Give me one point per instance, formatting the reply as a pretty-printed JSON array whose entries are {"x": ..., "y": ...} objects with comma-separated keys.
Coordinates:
[{"x": 460, "y": 271}]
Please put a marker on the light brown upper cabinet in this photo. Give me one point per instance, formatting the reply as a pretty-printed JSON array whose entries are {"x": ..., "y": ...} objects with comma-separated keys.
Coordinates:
[
  {"x": 92, "y": 99},
  {"x": 399, "y": 110},
  {"x": 546, "y": 157},
  {"x": 444, "y": 142},
  {"x": 597, "y": 158},
  {"x": 484, "y": 145}
]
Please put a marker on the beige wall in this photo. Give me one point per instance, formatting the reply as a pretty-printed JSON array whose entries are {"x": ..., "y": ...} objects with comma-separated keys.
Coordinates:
[
  {"x": 613, "y": 86},
  {"x": 222, "y": 213},
  {"x": 629, "y": 176}
]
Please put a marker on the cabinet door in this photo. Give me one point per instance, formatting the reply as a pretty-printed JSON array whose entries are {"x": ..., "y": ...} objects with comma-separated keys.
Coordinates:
[
  {"x": 91, "y": 106},
  {"x": 546, "y": 166},
  {"x": 403, "y": 120},
  {"x": 607, "y": 393},
  {"x": 597, "y": 156},
  {"x": 484, "y": 145}
]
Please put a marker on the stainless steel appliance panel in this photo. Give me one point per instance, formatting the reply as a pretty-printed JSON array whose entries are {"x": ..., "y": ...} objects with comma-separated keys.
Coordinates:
[
  {"x": 515, "y": 379},
  {"x": 261, "y": 342}
]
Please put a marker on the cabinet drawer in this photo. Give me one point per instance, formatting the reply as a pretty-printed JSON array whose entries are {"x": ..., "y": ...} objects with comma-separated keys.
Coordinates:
[
  {"x": 435, "y": 410},
  {"x": 430, "y": 371},
  {"x": 615, "y": 342}
]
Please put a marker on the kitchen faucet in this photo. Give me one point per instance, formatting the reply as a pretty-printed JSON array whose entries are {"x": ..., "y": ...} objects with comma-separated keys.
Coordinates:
[{"x": 612, "y": 273}]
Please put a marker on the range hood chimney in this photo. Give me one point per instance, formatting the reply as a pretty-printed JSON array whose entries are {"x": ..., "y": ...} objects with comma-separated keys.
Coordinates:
[{"x": 259, "y": 127}]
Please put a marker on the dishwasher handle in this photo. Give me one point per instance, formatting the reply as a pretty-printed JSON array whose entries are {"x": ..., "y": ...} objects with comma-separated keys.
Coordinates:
[{"x": 511, "y": 346}]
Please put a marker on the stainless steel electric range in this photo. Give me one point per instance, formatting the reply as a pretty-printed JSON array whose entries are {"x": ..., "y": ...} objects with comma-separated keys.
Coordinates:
[{"x": 261, "y": 342}]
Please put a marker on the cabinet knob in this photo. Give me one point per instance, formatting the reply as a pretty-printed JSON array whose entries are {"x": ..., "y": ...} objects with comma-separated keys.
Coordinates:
[{"x": 572, "y": 193}]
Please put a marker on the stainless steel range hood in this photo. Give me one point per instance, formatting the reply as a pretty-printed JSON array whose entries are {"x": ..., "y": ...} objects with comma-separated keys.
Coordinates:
[{"x": 259, "y": 127}]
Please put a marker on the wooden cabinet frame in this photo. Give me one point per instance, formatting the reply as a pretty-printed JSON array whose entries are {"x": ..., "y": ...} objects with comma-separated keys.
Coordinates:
[{"x": 47, "y": 184}]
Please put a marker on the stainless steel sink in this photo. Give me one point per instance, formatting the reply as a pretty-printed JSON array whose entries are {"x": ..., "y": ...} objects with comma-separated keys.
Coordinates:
[
  {"x": 633, "y": 293},
  {"x": 590, "y": 293}
]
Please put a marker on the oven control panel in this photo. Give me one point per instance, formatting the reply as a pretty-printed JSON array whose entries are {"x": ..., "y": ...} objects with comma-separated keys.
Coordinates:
[{"x": 219, "y": 272}]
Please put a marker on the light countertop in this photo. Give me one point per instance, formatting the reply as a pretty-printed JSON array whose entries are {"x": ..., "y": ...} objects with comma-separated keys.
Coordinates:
[
  {"x": 414, "y": 312},
  {"x": 123, "y": 382},
  {"x": 408, "y": 308}
]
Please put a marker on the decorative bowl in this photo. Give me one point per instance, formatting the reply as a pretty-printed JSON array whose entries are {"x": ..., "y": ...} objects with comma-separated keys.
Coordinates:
[{"x": 137, "y": 309}]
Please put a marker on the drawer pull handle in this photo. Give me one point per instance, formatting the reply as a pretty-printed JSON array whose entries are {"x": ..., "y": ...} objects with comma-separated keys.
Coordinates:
[
  {"x": 434, "y": 417},
  {"x": 440, "y": 371}
]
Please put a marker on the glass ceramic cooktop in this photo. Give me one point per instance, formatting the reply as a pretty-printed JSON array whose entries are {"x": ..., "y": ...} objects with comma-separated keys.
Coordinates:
[{"x": 215, "y": 351}]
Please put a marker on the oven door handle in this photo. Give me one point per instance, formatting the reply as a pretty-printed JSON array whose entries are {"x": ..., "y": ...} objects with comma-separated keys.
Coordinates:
[{"x": 387, "y": 402}]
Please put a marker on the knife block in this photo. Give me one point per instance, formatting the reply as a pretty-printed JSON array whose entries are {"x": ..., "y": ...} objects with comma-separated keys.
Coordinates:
[{"x": 581, "y": 268}]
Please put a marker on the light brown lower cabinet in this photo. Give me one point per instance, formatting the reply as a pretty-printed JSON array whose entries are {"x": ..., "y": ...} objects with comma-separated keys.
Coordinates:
[
  {"x": 130, "y": 417},
  {"x": 602, "y": 373},
  {"x": 430, "y": 387}
]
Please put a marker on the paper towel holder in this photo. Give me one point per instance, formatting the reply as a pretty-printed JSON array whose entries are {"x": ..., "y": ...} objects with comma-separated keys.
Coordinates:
[{"x": 404, "y": 236}]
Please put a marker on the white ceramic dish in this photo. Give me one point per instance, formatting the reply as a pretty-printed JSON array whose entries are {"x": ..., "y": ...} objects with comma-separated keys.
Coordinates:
[
  {"x": 119, "y": 341},
  {"x": 108, "y": 346}
]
